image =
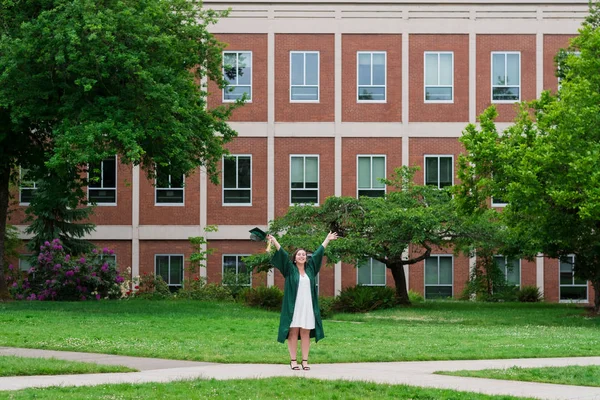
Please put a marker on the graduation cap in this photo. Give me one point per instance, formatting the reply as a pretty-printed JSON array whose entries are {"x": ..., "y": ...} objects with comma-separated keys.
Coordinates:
[{"x": 258, "y": 235}]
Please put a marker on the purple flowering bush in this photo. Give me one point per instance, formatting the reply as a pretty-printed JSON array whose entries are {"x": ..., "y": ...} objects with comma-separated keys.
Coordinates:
[{"x": 58, "y": 276}]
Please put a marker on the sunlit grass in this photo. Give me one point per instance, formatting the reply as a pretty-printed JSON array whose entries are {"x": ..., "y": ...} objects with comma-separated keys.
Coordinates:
[
  {"x": 233, "y": 333},
  {"x": 21, "y": 366},
  {"x": 571, "y": 375}
]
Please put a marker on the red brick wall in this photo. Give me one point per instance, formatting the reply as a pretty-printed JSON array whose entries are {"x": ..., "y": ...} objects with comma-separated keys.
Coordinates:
[
  {"x": 391, "y": 110},
  {"x": 214, "y": 269},
  {"x": 285, "y": 111},
  {"x": 122, "y": 249},
  {"x": 457, "y": 111},
  {"x": 121, "y": 213},
  {"x": 242, "y": 215},
  {"x": 488, "y": 43},
  {"x": 152, "y": 214},
  {"x": 553, "y": 43},
  {"x": 418, "y": 147},
  {"x": 256, "y": 109},
  {"x": 351, "y": 147},
  {"x": 551, "y": 279},
  {"x": 284, "y": 147},
  {"x": 528, "y": 273},
  {"x": 149, "y": 248}
]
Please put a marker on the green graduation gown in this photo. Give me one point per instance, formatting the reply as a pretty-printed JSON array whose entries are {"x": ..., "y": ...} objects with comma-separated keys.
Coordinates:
[{"x": 282, "y": 262}]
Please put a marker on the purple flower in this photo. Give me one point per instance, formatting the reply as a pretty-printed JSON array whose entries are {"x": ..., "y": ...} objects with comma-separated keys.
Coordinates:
[
  {"x": 111, "y": 252},
  {"x": 105, "y": 250},
  {"x": 98, "y": 297},
  {"x": 10, "y": 266},
  {"x": 31, "y": 270},
  {"x": 93, "y": 274},
  {"x": 69, "y": 273},
  {"x": 32, "y": 296},
  {"x": 19, "y": 297},
  {"x": 94, "y": 251},
  {"x": 119, "y": 279},
  {"x": 82, "y": 260},
  {"x": 46, "y": 243},
  {"x": 104, "y": 267},
  {"x": 67, "y": 257},
  {"x": 15, "y": 284},
  {"x": 82, "y": 298}
]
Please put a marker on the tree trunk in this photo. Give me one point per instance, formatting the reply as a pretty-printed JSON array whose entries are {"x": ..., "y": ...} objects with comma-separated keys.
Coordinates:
[
  {"x": 596, "y": 286},
  {"x": 400, "y": 282},
  {"x": 4, "y": 194}
]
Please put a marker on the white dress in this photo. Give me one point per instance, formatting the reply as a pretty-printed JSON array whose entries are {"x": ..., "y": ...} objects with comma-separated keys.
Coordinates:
[{"x": 304, "y": 315}]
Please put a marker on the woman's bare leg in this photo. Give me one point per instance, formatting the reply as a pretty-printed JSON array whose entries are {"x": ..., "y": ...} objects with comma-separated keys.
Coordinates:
[
  {"x": 305, "y": 343},
  {"x": 293, "y": 345}
]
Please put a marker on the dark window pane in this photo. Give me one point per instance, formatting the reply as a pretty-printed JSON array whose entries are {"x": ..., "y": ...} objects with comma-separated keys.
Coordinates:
[
  {"x": 438, "y": 292},
  {"x": 244, "y": 172},
  {"x": 162, "y": 177},
  {"x": 371, "y": 193},
  {"x": 371, "y": 93},
  {"x": 229, "y": 173},
  {"x": 102, "y": 196},
  {"x": 109, "y": 173},
  {"x": 169, "y": 196},
  {"x": 445, "y": 171},
  {"x": 431, "y": 171},
  {"x": 505, "y": 93},
  {"x": 438, "y": 93},
  {"x": 236, "y": 196},
  {"x": 95, "y": 175},
  {"x": 573, "y": 293},
  {"x": 176, "y": 270},
  {"x": 305, "y": 196},
  {"x": 162, "y": 267},
  {"x": 27, "y": 195}
]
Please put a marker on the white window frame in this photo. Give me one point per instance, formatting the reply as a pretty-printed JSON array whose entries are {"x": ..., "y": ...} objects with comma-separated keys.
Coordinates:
[
  {"x": 370, "y": 261},
  {"x": 358, "y": 86},
  {"x": 492, "y": 86},
  {"x": 438, "y": 156},
  {"x": 304, "y": 53},
  {"x": 505, "y": 269},
  {"x": 318, "y": 188},
  {"x": 182, "y": 268},
  {"x": 156, "y": 189},
  {"x": 22, "y": 260},
  {"x": 358, "y": 156},
  {"x": 101, "y": 182},
  {"x": 560, "y": 285},
  {"x": 237, "y": 57},
  {"x": 237, "y": 270},
  {"x": 497, "y": 203},
  {"x": 21, "y": 187},
  {"x": 237, "y": 177},
  {"x": 425, "y": 86},
  {"x": 102, "y": 255},
  {"x": 425, "y": 284}
]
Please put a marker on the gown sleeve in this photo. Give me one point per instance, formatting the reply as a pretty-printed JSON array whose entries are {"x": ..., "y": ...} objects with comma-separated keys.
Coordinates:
[
  {"x": 281, "y": 261},
  {"x": 317, "y": 258}
]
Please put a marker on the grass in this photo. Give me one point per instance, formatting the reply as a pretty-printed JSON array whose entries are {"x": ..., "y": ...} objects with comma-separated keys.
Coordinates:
[
  {"x": 23, "y": 366},
  {"x": 230, "y": 332},
  {"x": 273, "y": 388},
  {"x": 572, "y": 375}
]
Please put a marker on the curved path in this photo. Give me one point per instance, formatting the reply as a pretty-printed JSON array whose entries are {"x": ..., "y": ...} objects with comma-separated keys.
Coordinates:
[{"x": 415, "y": 373}]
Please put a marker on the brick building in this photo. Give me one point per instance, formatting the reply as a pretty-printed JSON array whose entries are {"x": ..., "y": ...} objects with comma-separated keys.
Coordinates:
[{"x": 340, "y": 93}]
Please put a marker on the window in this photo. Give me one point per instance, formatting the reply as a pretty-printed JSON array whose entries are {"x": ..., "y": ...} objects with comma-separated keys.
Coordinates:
[
  {"x": 27, "y": 187},
  {"x": 371, "y": 76},
  {"x": 102, "y": 182},
  {"x": 237, "y": 71},
  {"x": 370, "y": 170},
  {"x": 438, "y": 277},
  {"x": 506, "y": 77},
  {"x": 110, "y": 258},
  {"x": 235, "y": 271},
  {"x": 25, "y": 262},
  {"x": 170, "y": 268},
  {"x": 237, "y": 180},
  {"x": 371, "y": 272},
  {"x": 439, "y": 171},
  {"x": 498, "y": 202},
  {"x": 511, "y": 268},
  {"x": 571, "y": 288},
  {"x": 169, "y": 188},
  {"x": 304, "y": 76},
  {"x": 439, "y": 77},
  {"x": 304, "y": 179},
  {"x": 563, "y": 71}
]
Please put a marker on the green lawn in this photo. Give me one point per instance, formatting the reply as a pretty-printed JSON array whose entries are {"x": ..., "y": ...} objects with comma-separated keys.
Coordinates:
[
  {"x": 274, "y": 388},
  {"x": 573, "y": 375},
  {"x": 21, "y": 366},
  {"x": 230, "y": 332}
]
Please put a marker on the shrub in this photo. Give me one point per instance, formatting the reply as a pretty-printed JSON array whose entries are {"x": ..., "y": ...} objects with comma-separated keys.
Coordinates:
[
  {"x": 236, "y": 283},
  {"x": 263, "y": 297},
  {"x": 151, "y": 287},
  {"x": 365, "y": 298},
  {"x": 326, "y": 305},
  {"x": 415, "y": 297},
  {"x": 529, "y": 294},
  {"x": 198, "y": 289},
  {"x": 57, "y": 276}
]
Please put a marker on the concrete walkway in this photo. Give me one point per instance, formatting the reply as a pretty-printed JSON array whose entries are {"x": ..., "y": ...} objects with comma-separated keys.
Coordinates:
[{"x": 416, "y": 373}]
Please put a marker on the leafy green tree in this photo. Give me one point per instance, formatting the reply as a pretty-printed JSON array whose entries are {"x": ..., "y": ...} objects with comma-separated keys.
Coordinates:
[
  {"x": 56, "y": 211},
  {"x": 81, "y": 80},
  {"x": 547, "y": 165},
  {"x": 410, "y": 217}
]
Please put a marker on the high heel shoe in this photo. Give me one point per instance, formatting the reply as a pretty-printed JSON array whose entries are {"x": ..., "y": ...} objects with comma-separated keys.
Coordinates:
[
  {"x": 296, "y": 367},
  {"x": 305, "y": 367}
]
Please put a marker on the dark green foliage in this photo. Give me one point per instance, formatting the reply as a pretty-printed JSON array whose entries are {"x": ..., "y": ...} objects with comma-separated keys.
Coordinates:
[
  {"x": 263, "y": 297},
  {"x": 529, "y": 294},
  {"x": 359, "y": 299},
  {"x": 198, "y": 289},
  {"x": 326, "y": 305},
  {"x": 57, "y": 211},
  {"x": 152, "y": 287}
]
